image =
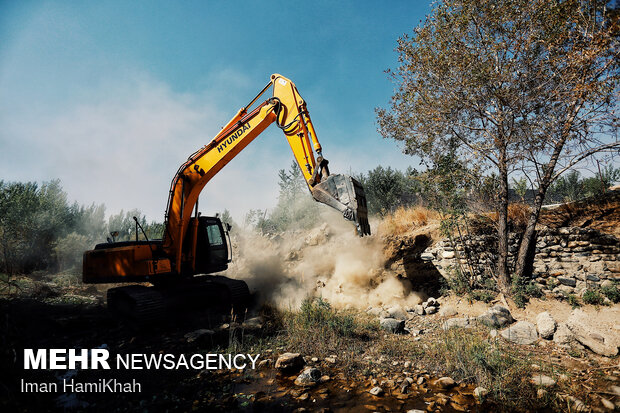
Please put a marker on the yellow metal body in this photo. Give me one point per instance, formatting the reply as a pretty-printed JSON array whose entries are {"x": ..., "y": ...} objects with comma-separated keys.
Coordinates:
[{"x": 287, "y": 108}]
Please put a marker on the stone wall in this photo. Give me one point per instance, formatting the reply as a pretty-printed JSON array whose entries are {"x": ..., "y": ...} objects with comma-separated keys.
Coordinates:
[{"x": 568, "y": 260}]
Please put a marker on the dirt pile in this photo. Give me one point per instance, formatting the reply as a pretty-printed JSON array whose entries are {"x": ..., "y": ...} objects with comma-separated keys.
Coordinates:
[{"x": 601, "y": 213}]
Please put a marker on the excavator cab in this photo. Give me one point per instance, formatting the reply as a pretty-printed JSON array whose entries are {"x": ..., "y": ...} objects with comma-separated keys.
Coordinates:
[{"x": 212, "y": 251}]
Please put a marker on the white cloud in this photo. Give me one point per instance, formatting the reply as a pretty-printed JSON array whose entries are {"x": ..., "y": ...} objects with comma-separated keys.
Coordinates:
[{"x": 124, "y": 148}]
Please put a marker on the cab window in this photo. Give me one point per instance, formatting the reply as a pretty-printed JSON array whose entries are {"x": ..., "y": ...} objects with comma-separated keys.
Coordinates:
[{"x": 214, "y": 234}]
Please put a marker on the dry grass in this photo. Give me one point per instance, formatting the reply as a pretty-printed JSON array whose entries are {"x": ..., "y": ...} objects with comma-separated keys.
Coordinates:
[
  {"x": 405, "y": 219},
  {"x": 518, "y": 215}
]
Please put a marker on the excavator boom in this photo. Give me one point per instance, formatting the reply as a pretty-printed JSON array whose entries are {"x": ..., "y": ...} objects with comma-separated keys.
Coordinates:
[{"x": 287, "y": 109}]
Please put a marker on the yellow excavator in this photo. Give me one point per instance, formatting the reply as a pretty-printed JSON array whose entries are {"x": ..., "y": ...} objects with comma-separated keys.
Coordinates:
[{"x": 193, "y": 244}]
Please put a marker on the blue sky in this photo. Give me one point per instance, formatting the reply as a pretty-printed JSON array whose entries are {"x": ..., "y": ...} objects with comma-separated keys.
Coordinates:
[{"x": 112, "y": 96}]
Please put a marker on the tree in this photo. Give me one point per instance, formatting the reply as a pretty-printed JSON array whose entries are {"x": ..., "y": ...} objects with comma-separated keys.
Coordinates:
[
  {"x": 527, "y": 85},
  {"x": 383, "y": 188},
  {"x": 124, "y": 224},
  {"x": 520, "y": 187},
  {"x": 295, "y": 209}
]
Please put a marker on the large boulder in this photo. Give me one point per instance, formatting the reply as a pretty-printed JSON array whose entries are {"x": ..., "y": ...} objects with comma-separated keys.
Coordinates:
[
  {"x": 522, "y": 332},
  {"x": 545, "y": 325},
  {"x": 496, "y": 317},
  {"x": 578, "y": 324}
]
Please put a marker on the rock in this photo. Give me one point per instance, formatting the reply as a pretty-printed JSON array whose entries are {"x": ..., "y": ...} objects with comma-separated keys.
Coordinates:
[
  {"x": 542, "y": 380},
  {"x": 522, "y": 333},
  {"x": 392, "y": 325},
  {"x": 427, "y": 256},
  {"x": 607, "y": 284},
  {"x": 565, "y": 289},
  {"x": 497, "y": 317},
  {"x": 480, "y": 393},
  {"x": 432, "y": 302},
  {"x": 563, "y": 336},
  {"x": 331, "y": 359},
  {"x": 377, "y": 312},
  {"x": 457, "y": 322},
  {"x": 545, "y": 325},
  {"x": 577, "y": 405},
  {"x": 376, "y": 391},
  {"x": 397, "y": 312},
  {"x": 577, "y": 323},
  {"x": 447, "y": 311},
  {"x": 407, "y": 364},
  {"x": 571, "y": 282},
  {"x": 289, "y": 361},
  {"x": 255, "y": 323},
  {"x": 608, "y": 404},
  {"x": 431, "y": 310},
  {"x": 447, "y": 255},
  {"x": 309, "y": 377},
  {"x": 255, "y": 320},
  {"x": 421, "y": 380},
  {"x": 199, "y": 335},
  {"x": 419, "y": 310},
  {"x": 445, "y": 383}
]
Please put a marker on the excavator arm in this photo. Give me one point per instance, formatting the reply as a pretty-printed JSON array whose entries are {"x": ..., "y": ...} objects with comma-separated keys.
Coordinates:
[{"x": 287, "y": 109}]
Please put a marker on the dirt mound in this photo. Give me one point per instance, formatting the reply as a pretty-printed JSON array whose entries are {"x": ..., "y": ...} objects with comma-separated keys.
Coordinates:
[{"x": 601, "y": 213}]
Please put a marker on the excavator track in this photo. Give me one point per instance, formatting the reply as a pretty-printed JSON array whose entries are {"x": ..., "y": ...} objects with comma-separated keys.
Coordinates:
[
  {"x": 239, "y": 293},
  {"x": 148, "y": 305},
  {"x": 144, "y": 305}
]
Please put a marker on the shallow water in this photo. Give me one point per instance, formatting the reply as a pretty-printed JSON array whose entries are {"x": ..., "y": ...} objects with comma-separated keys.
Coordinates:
[{"x": 268, "y": 388}]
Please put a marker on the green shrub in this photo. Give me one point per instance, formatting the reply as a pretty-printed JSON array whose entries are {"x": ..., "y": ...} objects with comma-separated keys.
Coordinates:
[
  {"x": 612, "y": 292},
  {"x": 573, "y": 301},
  {"x": 523, "y": 290},
  {"x": 316, "y": 312},
  {"x": 483, "y": 295},
  {"x": 593, "y": 297}
]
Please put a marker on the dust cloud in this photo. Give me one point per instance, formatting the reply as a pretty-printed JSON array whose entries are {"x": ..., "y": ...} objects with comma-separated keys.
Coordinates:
[{"x": 328, "y": 261}]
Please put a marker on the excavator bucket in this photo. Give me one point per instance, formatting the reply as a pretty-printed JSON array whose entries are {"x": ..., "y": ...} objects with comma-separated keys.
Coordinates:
[{"x": 345, "y": 194}]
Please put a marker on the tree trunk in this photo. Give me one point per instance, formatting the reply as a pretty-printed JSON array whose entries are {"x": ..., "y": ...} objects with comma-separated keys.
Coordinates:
[
  {"x": 503, "y": 277},
  {"x": 544, "y": 183},
  {"x": 528, "y": 236}
]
